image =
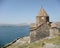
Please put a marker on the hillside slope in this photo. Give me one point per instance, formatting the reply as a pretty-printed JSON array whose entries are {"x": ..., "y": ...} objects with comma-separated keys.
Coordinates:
[{"x": 37, "y": 44}]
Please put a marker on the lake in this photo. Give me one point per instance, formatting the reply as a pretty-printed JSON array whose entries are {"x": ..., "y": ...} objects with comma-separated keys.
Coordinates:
[{"x": 10, "y": 33}]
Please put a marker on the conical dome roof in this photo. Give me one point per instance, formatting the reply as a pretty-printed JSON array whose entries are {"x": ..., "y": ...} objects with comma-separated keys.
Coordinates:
[{"x": 42, "y": 13}]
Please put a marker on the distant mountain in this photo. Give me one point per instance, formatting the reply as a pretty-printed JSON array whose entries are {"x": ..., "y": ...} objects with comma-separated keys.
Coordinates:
[
  {"x": 7, "y": 25},
  {"x": 22, "y": 24}
]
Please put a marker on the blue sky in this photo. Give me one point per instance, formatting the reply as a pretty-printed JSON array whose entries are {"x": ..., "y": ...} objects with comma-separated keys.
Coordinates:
[{"x": 25, "y": 11}]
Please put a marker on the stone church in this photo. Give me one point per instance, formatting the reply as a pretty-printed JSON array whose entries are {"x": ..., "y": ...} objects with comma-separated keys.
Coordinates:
[{"x": 43, "y": 27}]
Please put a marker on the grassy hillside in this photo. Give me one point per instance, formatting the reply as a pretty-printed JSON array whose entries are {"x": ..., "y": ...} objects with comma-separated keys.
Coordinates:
[{"x": 39, "y": 44}]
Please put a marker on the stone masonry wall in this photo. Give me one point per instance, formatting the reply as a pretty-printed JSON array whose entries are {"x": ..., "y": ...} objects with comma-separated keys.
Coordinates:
[{"x": 40, "y": 32}]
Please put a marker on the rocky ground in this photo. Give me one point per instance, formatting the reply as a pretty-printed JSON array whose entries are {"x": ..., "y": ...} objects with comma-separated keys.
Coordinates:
[
  {"x": 50, "y": 45},
  {"x": 44, "y": 43}
]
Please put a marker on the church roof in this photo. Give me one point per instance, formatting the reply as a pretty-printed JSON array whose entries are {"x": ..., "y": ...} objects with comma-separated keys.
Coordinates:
[{"x": 42, "y": 13}]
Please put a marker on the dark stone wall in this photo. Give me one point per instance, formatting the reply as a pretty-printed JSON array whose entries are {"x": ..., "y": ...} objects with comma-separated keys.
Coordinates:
[
  {"x": 39, "y": 19},
  {"x": 40, "y": 32}
]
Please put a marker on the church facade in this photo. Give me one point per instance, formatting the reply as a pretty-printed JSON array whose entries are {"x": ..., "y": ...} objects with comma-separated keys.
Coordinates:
[{"x": 43, "y": 27}]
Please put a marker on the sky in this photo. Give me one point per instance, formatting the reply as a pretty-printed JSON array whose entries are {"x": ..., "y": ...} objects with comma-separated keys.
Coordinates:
[{"x": 25, "y": 11}]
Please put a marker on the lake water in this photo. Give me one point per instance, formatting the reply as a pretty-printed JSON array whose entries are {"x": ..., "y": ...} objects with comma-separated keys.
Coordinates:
[{"x": 10, "y": 33}]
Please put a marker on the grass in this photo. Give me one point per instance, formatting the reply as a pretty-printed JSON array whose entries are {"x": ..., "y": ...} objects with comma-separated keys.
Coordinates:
[
  {"x": 54, "y": 40},
  {"x": 39, "y": 44}
]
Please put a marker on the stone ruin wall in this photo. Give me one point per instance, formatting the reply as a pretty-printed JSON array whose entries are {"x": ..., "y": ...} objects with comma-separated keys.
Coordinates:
[{"x": 40, "y": 32}]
